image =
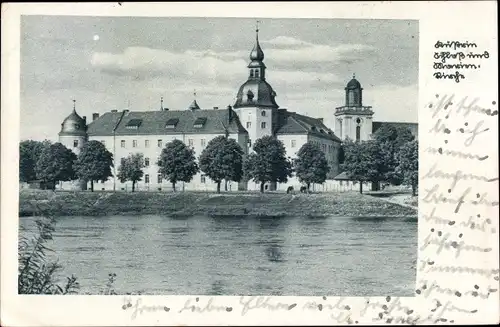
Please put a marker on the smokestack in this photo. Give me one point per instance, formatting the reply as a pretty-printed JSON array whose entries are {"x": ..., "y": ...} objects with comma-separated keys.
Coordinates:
[{"x": 95, "y": 115}]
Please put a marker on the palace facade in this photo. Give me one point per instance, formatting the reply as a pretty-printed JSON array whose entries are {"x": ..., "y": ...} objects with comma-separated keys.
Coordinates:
[{"x": 254, "y": 114}]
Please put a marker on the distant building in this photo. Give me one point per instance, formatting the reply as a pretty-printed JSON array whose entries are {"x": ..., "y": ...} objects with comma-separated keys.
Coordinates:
[{"x": 255, "y": 114}]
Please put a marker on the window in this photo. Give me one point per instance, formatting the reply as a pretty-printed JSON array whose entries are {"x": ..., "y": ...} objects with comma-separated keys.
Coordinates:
[
  {"x": 146, "y": 143},
  {"x": 263, "y": 113},
  {"x": 358, "y": 133},
  {"x": 263, "y": 124},
  {"x": 200, "y": 122},
  {"x": 146, "y": 162},
  {"x": 122, "y": 142},
  {"x": 251, "y": 73},
  {"x": 171, "y": 123},
  {"x": 160, "y": 179},
  {"x": 257, "y": 73},
  {"x": 134, "y": 143},
  {"x": 160, "y": 143},
  {"x": 323, "y": 146},
  {"x": 203, "y": 180},
  {"x": 146, "y": 179},
  {"x": 190, "y": 142},
  {"x": 293, "y": 143},
  {"x": 203, "y": 142},
  {"x": 249, "y": 124},
  {"x": 351, "y": 98},
  {"x": 75, "y": 143},
  {"x": 133, "y": 124}
]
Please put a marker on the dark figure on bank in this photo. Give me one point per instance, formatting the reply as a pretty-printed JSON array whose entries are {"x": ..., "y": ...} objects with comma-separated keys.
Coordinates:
[
  {"x": 303, "y": 189},
  {"x": 289, "y": 190}
]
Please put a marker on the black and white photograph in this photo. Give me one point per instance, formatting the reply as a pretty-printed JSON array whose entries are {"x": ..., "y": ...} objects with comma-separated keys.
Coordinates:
[{"x": 218, "y": 156}]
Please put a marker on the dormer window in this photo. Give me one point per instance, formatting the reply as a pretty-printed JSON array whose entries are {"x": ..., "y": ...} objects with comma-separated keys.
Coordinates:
[
  {"x": 313, "y": 128},
  {"x": 171, "y": 123},
  {"x": 133, "y": 124},
  {"x": 250, "y": 96},
  {"x": 200, "y": 122}
]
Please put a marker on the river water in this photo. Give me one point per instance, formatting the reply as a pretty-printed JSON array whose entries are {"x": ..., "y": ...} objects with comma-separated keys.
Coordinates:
[{"x": 339, "y": 256}]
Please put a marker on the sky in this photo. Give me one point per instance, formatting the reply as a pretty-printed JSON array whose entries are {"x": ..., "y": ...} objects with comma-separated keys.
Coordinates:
[{"x": 107, "y": 63}]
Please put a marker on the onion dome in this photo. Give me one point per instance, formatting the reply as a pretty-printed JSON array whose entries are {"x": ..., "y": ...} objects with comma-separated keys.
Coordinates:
[
  {"x": 257, "y": 54},
  {"x": 353, "y": 83},
  {"x": 73, "y": 124}
]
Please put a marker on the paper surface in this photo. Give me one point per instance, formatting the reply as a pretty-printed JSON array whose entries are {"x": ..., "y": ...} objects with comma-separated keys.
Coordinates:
[{"x": 457, "y": 269}]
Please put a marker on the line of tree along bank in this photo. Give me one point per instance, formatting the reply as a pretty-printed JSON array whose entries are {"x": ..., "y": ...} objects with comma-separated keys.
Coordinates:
[{"x": 390, "y": 158}]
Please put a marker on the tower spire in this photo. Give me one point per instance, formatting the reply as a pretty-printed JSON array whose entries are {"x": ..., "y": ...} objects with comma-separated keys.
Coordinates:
[
  {"x": 353, "y": 75},
  {"x": 161, "y": 103},
  {"x": 74, "y": 105}
]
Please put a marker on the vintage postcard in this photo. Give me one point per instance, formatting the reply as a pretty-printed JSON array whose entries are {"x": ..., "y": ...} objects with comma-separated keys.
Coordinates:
[{"x": 249, "y": 163}]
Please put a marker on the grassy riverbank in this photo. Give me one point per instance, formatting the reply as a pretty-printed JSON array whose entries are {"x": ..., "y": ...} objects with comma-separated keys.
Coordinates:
[{"x": 35, "y": 202}]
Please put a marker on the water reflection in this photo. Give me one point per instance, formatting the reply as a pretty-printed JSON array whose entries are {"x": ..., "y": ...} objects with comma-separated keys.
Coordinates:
[
  {"x": 238, "y": 256},
  {"x": 274, "y": 252}
]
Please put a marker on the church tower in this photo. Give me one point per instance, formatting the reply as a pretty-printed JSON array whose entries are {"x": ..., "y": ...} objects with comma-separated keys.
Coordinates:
[
  {"x": 73, "y": 135},
  {"x": 353, "y": 120},
  {"x": 255, "y": 102}
]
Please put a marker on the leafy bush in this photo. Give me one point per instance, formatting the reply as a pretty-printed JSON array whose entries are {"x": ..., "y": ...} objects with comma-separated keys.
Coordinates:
[{"x": 36, "y": 274}]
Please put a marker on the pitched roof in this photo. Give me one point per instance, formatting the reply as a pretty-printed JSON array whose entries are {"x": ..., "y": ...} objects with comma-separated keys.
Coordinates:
[
  {"x": 294, "y": 123},
  {"x": 154, "y": 122},
  {"x": 413, "y": 127}
]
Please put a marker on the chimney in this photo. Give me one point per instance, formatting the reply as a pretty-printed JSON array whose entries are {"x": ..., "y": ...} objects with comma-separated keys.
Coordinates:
[
  {"x": 126, "y": 111},
  {"x": 95, "y": 115},
  {"x": 321, "y": 120},
  {"x": 230, "y": 110},
  {"x": 114, "y": 110},
  {"x": 215, "y": 108}
]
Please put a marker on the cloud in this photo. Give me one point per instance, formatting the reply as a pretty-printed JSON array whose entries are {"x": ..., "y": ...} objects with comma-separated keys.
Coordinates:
[
  {"x": 286, "y": 49},
  {"x": 286, "y": 41},
  {"x": 144, "y": 63}
]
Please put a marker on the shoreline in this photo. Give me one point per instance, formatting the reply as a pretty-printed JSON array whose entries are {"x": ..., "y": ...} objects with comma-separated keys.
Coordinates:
[{"x": 223, "y": 205}]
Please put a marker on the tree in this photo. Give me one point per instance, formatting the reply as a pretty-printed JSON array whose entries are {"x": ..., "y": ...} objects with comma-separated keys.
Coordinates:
[
  {"x": 55, "y": 164},
  {"x": 131, "y": 169},
  {"x": 177, "y": 163},
  {"x": 311, "y": 165},
  {"x": 222, "y": 159},
  {"x": 391, "y": 138},
  {"x": 29, "y": 152},
  {"x": 268, "y": 163},
  {"x": 408, "y": 164},
  {"x": 94, "y": 163}
]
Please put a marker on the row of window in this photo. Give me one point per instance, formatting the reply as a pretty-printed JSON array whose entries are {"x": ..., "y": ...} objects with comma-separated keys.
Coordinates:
[
  {"x": 159, "y": 179},
  {"x": 123, "y": 143},
  {"x": 262, "y": 125}
]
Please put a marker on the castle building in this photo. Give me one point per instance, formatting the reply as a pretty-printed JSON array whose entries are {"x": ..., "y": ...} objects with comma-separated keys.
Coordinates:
[{"x": 254, "y": 114}]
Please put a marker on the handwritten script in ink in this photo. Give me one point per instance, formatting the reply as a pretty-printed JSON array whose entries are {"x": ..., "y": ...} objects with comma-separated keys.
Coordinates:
[{"x": 452, "y": 59}]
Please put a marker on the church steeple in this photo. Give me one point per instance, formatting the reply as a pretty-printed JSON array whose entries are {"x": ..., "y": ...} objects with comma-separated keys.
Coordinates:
[{"x": 256, "y": 66}]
